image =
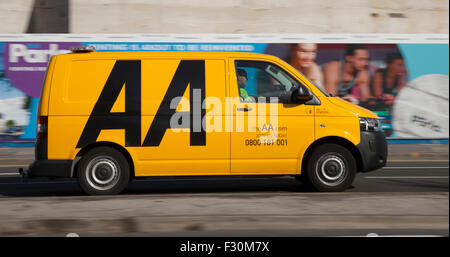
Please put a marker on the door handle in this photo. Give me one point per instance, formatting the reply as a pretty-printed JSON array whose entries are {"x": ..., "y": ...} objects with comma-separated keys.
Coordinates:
[{"x": 244, "y": 109}]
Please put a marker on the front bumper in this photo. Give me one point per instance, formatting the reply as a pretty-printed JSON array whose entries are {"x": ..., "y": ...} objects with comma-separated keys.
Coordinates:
[
  {"x": 373, "y": 150},
  {"x": 49, "y": 169}
]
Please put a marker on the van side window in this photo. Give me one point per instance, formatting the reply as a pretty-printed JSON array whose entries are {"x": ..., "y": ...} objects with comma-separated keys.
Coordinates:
[{"x": 262, "y": 79}]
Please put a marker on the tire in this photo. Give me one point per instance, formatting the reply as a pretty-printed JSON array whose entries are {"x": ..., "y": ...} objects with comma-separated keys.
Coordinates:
[
  {"x": 331, "y": 168},
  {"x": 103, "y": 171}
]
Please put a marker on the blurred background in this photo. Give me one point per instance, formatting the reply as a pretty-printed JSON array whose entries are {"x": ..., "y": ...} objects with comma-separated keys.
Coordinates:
[{"x": 409, "y": 196}]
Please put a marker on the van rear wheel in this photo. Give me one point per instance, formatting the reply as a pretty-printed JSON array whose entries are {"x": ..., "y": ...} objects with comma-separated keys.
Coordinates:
[
  {"x": 103, "y": 171},
  {"x": 331, "y": 168}
]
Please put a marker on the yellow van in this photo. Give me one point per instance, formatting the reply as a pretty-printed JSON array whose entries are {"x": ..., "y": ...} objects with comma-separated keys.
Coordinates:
[{"x": 107, "y": 118}]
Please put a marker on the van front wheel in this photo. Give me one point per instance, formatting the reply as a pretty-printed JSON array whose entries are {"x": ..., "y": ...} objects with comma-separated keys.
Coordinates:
[
  {"x": 103, "y": 171},
  {"x": 332, "y": 168}
]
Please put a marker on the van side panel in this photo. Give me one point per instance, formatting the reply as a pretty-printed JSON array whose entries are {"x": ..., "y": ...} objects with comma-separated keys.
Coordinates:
[
  {"x": 45, "y": 94},
  {"x": 335, "y": 121},
  {"x": 177, "y": 153},
  {"x": 76, "y": 87},
  {"x": 276, "y": 133},
  {"x": 63, "y": 134},
  {"x": 81, "y": 82},
  {"x": 344, "y": 127}
]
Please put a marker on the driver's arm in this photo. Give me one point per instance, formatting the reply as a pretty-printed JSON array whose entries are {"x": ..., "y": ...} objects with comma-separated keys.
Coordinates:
[
  {"x": 331, "y": 77},
  {"x": 363, "y": 82}
]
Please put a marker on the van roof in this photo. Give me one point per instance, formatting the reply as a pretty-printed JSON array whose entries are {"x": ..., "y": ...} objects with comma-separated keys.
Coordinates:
[{"x": 136, "y": 54}]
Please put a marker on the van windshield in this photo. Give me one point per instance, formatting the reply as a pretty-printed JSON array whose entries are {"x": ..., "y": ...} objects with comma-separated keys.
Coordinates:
[{"x": 312, "y": 82}]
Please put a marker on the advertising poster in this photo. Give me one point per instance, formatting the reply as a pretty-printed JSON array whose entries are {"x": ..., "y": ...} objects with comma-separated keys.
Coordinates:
[
  {"x": 407, "y": 85},
  {"x": 22, "y": 71}
]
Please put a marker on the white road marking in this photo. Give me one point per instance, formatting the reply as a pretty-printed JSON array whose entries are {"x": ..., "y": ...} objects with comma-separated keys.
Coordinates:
[
  {"x": 28, "y": 164},
  {"x": 134, "y": 181},
  {"x": 415, "y": 167},
  {"x": 409, "y": 177},
  {"x": 36, "y": 183},
  {"x": 412, "y": 236},
  {"x": 14, "y": 165},
  {"x": 377, "y": 235},
  {"x": 417, "y": 160},
  {"x": 10, "y": 174}
]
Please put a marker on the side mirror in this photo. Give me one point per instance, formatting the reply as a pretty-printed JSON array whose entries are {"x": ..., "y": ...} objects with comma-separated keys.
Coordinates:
[{"x": 301, "y": 95}]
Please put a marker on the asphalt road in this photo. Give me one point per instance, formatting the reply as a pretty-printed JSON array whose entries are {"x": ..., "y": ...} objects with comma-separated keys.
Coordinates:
[
  {"x": 398, "y": 176},
  {"x": 405, "y": 198}
]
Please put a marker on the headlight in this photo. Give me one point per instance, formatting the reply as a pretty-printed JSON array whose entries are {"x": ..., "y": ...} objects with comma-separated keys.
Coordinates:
[{"x": 369, "y": 124}]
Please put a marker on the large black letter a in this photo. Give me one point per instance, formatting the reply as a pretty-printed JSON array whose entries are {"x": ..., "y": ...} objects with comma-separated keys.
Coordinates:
[
  {"x": 192, "y": 73},
  {"x": 126, "y": 73}
]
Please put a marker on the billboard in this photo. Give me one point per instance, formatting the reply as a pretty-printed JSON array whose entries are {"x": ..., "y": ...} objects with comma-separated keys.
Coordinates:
[{"x": 406, "y": 83}]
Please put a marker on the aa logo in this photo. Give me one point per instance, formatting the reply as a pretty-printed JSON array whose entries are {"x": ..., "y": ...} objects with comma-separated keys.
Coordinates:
[{"x": 128, "y": 74}]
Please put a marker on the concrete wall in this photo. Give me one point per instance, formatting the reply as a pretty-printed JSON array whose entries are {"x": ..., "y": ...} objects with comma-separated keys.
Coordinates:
[
  {"x": 15, "y": 15},
  {"x": 241, "y": 16},
  {"x": 49, "y": 16}
]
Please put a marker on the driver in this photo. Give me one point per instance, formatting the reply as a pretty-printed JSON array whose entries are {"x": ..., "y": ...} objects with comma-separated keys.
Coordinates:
[{"x": 242, "y": 82}]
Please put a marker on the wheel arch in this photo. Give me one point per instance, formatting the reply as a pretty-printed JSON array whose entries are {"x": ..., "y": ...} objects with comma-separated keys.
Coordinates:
[
  {"x": 115, "y": 146},
  {"x": 335, "y": 140}
]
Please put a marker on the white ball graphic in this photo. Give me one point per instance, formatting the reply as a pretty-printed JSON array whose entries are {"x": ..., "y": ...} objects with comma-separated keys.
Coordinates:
[{"x": 421, "y": 108}]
